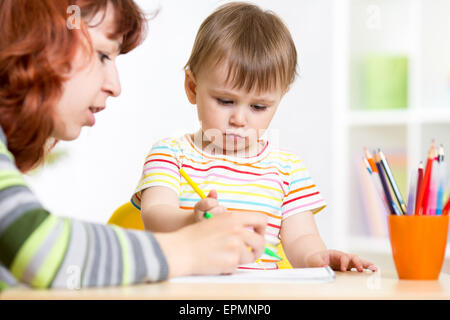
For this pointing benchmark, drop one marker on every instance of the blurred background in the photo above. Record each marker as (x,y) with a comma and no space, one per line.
(372,73)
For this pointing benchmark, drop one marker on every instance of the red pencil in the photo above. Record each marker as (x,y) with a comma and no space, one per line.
(422,202)
(426,196)
(446,208)
(419,182)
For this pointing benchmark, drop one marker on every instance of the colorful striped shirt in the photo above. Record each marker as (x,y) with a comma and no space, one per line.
(41,250)
(274,182)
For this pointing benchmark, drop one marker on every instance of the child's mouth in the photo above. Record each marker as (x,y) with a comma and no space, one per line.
(233,136)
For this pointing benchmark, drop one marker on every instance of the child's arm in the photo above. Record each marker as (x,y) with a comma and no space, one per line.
(161,213)
(304,247)
(300,238)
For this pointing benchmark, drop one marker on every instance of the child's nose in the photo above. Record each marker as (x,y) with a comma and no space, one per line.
(238,117)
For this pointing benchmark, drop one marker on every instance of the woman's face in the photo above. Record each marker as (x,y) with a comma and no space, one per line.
(90,82)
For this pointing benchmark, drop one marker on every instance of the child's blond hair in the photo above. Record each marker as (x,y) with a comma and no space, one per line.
(256,44)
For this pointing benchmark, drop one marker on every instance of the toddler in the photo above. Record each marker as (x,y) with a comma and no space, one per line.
(242,63)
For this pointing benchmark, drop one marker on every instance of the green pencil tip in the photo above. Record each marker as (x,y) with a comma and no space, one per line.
(208,215)
(271,253)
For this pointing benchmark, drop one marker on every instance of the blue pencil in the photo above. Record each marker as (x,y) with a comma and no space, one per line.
(391,204)
(367,165)
(442,175)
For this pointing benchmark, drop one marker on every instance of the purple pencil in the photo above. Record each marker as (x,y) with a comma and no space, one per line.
(387,192)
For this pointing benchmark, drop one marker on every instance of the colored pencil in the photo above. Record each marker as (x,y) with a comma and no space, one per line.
(442,176)
(385,186)
(440,198)
(199,191)
(377,184)
(192,184)
(369,169)
(419,183)
(208,215)
(391,179)
(425,182)
(441,153)
(432,196)
(410,206)
(446,207)
(370,160)
(427,179)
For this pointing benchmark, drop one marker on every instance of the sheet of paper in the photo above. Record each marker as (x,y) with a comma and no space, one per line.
(305,275)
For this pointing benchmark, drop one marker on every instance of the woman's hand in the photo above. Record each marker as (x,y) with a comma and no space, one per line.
(209,204)
(214,246)
(338,260)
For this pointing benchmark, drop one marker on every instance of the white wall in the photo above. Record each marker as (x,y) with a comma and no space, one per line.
(105,163)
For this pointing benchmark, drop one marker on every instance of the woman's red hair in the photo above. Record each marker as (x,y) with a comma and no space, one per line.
(36,51)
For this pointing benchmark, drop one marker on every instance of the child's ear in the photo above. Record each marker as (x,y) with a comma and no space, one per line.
(190,85)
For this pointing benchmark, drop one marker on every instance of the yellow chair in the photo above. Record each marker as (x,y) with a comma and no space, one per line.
(284,263)
(127,216)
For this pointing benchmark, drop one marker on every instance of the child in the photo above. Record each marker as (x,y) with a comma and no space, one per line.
(242,63)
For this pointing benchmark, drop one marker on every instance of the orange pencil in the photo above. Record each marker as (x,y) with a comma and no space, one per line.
(369,157)
(424,188)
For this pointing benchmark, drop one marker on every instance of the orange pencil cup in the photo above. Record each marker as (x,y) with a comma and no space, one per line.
(418,245)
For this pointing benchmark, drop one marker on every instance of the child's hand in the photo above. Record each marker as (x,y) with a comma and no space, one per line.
(339,261)
(209,204)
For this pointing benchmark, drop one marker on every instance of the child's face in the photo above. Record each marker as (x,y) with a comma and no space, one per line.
(231,119)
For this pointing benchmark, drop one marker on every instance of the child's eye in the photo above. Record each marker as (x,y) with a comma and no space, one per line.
(103,57)
(258,107)
(224,101)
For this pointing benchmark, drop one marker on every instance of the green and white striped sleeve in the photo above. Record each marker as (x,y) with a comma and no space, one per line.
(43,250)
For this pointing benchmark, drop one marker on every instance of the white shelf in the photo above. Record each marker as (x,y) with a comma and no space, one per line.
(379,118)
(399,117)
(384,26)
(433,115)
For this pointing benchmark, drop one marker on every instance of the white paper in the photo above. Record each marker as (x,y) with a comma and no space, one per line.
(298,275)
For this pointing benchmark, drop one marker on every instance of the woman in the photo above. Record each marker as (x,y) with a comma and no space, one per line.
(53,80)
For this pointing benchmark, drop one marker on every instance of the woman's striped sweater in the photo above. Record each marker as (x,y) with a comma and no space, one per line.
(42,250)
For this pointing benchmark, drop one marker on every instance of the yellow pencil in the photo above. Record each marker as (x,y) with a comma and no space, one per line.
(192,184)
(196,189)
(208,215)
